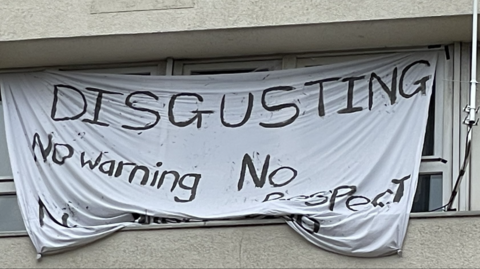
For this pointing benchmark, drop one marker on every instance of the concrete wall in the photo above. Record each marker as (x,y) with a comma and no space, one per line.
(33,19)
(430,243)
(70,32)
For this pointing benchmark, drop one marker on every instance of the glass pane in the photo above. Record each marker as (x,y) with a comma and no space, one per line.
(231,71)
(5,170)
(137,74)
(428,195)
(11,219)
(430,132)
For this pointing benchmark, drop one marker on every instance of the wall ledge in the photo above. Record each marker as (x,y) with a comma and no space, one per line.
(255,222)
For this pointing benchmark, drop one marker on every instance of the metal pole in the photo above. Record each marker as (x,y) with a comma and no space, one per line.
(471,108)
(473,81)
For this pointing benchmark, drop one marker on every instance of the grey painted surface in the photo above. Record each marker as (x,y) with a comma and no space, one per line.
(33,19)
(430,243)
(125,48)
(66,32)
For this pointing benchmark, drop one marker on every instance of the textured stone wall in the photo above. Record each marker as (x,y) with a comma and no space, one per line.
(430,243)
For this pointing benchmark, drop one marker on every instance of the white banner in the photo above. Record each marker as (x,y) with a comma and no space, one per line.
(334,149)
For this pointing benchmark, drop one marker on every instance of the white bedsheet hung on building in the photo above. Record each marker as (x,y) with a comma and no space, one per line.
(334,149)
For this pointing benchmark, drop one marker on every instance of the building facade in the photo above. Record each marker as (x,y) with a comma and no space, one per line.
(191,37)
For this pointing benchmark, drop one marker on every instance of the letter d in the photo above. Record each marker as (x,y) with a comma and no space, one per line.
(55,101)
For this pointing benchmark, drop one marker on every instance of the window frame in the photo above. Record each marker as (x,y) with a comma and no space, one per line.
(7,184)
(430,164)
(187,67)
(150,70)
(446,128)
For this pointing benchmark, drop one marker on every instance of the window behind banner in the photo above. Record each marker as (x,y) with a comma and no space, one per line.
(435,169)
(431,192)
(433,188)
(225,66)
(10,217)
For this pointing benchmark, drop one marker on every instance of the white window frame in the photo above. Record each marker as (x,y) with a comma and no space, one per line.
(447,124)
(187,67)
(151,69)
(7,187)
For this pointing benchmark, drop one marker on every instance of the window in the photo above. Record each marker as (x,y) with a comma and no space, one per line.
(434,186)
(433,189)
(426,197)
(11,220)
(146,70)
(225,67)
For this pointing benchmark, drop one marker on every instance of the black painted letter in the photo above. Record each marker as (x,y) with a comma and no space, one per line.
(247,162)
(351,87)
(422,82)
(98,106)
(56,88)
(272,175)
(350,200)
(401,188)
(269,196)
(198,113)
(392,92)
(321,103)
(45,151)
(192,188)
(62,158)
(245,118)
(129,103)
(278,108)
(335,195)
